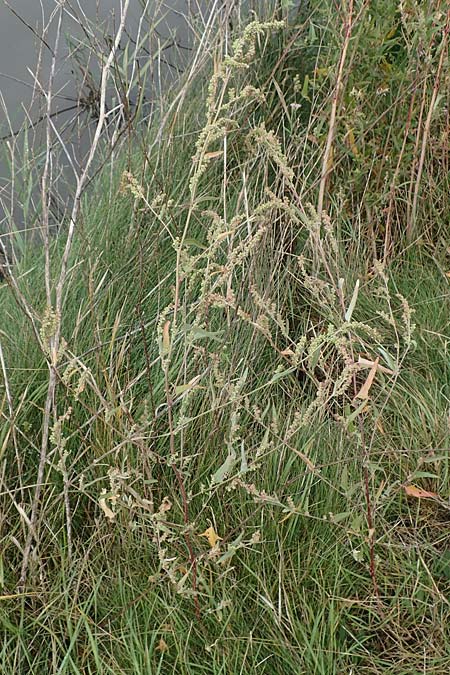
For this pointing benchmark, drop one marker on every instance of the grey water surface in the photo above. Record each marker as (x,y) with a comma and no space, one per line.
(28,30)
(23,21)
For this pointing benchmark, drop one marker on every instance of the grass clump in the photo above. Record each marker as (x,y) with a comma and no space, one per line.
(245,466)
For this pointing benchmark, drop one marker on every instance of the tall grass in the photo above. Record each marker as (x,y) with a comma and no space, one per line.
(246,467)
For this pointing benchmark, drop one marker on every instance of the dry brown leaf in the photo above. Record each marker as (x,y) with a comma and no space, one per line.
(211,536)
(287,352)
(104,506)
(369,363)
(162,646)
(364,391)
(213,155)
(414,491)
(165,506)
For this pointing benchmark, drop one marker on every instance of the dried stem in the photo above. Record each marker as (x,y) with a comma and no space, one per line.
(334,105)
(426,132)
(55,342)
(184,499)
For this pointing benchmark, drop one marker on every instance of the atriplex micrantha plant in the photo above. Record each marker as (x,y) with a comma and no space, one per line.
(232,288)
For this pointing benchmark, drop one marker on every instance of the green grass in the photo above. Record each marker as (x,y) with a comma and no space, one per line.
(328,566)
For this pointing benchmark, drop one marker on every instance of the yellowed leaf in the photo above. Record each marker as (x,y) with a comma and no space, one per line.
(224,235)
(183,388)
(414,491)
(13,596)
(211,535)
(352,142)
(364,391)
(166,338)
(379,426)
(321,72)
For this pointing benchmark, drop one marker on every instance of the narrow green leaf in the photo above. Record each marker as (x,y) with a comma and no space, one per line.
(423,474)
(181,388)
(279,376)
(356,412)
(351,307)
(435,458)
(198,333)
(224,470)
(305,88)
(191,241)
